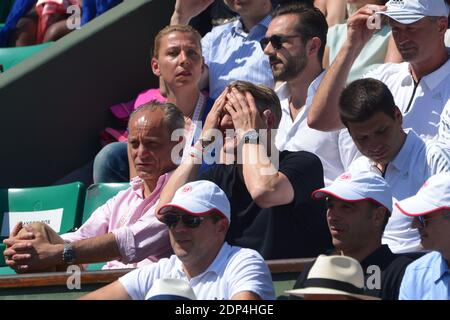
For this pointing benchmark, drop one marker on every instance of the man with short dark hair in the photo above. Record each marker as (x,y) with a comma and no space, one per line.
(198,218)
(359,205)
(271,208)
(428,278)
(368,110)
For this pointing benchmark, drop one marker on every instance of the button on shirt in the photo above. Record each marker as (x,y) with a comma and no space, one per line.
(427,278)
(232,54)
(414,164)
(428,97)
(334,151)
(141,238)
(233,270)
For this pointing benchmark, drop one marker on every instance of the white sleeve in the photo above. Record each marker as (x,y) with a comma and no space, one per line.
(247,271)
(139,281)
(347,149)
(438,157)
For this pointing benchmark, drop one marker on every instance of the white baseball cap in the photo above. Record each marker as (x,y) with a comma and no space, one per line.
(433,196)
(358,186)
(199,198)
(170,289)
(332,275)
(410,11)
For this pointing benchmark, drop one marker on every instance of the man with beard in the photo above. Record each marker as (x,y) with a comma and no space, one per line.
(295,42)
(419,85)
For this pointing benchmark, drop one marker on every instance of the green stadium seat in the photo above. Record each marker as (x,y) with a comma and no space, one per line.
(68,197)
(96,196)
(9,57)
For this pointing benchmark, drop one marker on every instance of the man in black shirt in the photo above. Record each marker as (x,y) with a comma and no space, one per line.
(269,192)
(359,206)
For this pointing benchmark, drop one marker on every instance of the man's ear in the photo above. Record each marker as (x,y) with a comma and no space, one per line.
(313,46)
(222,226)
(155,67)
(398,115)
(379,215)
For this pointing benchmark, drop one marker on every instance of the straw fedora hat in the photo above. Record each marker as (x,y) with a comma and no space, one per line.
(334,275)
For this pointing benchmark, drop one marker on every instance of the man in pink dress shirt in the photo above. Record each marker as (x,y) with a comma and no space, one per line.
(124,231)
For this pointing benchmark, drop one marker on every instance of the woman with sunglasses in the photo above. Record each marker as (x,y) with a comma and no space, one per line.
(428,278)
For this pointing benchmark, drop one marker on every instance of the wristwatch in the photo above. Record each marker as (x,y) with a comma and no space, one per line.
(68,254)
(250,136)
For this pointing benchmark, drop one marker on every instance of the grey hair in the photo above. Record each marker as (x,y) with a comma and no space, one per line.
(173,117)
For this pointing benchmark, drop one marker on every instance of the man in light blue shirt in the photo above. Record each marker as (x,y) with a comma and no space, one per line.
(428,278)
(232,50)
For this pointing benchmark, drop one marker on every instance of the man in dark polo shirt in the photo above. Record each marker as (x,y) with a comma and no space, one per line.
(271,208)
(359,206)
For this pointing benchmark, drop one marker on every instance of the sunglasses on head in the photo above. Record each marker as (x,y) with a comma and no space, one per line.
(276,41)
(172,219)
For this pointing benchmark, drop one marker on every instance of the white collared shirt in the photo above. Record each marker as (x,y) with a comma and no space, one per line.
(233,54)
(428,101)
(414,164)
(335,149)
(233,270)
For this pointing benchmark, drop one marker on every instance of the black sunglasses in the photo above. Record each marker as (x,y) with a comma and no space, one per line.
(172,219)
(276,40)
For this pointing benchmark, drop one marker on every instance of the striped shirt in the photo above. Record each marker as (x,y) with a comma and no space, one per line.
(232,54)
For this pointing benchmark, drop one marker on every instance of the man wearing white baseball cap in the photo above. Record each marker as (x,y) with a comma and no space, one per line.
(359,206)
(420,85)
(428,278)
(198,217)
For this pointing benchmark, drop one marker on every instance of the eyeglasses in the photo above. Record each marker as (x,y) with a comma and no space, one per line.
(276,40)
(172,219)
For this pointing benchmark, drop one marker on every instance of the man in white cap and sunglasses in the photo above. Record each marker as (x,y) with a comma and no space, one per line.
(428,278)
(420,85)
(359,206)
(198,218)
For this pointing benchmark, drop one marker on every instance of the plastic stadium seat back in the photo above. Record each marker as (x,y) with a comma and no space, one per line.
(9,57)
(68,198)
(98,194)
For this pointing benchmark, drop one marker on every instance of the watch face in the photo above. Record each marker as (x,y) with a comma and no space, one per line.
(68,254)
(251,136)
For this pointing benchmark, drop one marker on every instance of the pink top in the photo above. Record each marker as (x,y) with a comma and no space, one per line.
(142,239)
